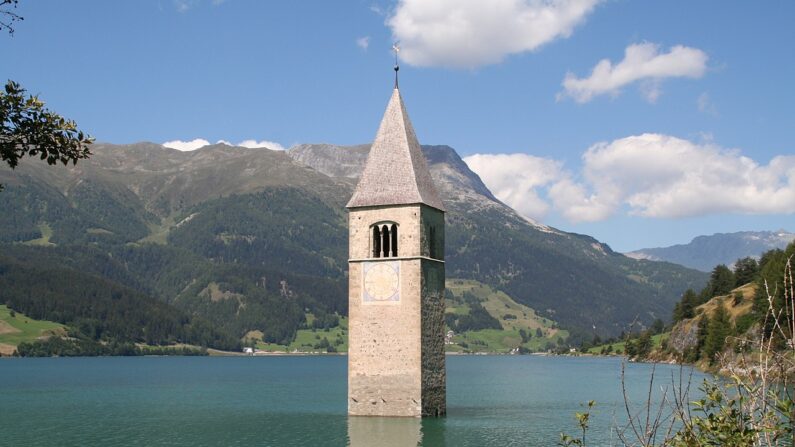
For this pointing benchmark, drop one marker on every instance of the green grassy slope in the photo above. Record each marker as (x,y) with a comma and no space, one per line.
(512,316)
(310,340)
(618,347)
(20,328)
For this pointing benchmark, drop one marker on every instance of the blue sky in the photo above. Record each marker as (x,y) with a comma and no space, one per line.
(684,127)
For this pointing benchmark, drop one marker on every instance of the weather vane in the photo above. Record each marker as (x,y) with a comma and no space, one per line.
(396,49)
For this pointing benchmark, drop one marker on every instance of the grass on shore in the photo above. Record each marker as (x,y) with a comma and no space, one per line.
(618,348)
(512,315)
(20,328)
(307,339)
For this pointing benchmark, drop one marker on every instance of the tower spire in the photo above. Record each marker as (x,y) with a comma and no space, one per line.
(396,172)
(396,50)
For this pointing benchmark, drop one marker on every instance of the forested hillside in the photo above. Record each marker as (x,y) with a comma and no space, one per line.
(570,278)
(728,316)
(100,309)
(255,240)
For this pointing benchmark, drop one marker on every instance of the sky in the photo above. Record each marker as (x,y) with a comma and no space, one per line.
(640,123)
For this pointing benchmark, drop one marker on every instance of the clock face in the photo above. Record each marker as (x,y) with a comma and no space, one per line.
(381,281)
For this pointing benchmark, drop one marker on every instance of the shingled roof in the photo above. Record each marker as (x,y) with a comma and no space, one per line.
(396,172)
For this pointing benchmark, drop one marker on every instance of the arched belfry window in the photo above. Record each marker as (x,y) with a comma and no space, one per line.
(385,240)
(394,240)
(376,241)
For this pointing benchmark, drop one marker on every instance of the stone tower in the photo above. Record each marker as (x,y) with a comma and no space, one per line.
(396,279)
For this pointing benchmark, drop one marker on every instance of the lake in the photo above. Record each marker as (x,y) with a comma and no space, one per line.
(301,401)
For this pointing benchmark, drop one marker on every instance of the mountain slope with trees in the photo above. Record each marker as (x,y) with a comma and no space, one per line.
(570,278)
(737,308)
(98,309)
(253,239)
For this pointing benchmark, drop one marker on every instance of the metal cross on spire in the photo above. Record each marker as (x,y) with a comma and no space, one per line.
(396,50)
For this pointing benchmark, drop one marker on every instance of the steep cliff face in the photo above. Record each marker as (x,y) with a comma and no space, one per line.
(684,336)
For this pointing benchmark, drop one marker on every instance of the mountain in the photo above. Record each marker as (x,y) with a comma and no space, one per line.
(705,252)
(254,239)
(44,287)
(570,278)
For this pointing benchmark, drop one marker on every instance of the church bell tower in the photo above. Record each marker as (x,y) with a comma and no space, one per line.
(396,364)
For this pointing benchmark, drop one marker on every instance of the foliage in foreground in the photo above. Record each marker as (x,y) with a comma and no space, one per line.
(27,128)
(717,419)
(756,407)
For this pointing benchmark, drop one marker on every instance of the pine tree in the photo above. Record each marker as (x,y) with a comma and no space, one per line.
(745,271)
(631,348)
(644,344)
(718,329)
(771,274)
(701,336)
(685,307)
(721,281)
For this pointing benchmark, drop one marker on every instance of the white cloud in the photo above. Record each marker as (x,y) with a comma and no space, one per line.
(649,175)
(534,185)
(662,176)
(577,204)
(186,145)
(254,144)
(473,33)
(515,178)
(642,62)
(363,42)
(201,142)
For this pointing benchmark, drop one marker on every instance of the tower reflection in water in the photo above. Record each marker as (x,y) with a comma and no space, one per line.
(368,431)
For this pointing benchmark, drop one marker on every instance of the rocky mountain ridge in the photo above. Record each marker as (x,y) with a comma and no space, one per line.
(705,252)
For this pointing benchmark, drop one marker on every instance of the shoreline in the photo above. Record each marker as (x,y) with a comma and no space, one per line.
(219,353)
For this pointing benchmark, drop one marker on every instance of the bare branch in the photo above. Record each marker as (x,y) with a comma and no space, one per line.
(8,16)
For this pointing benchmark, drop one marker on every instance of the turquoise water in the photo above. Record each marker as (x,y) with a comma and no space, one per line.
(301,401)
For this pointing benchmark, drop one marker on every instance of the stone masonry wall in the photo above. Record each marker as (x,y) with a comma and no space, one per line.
(396,349)
(432,218)
(434,375)
(384,348)
(384,353)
